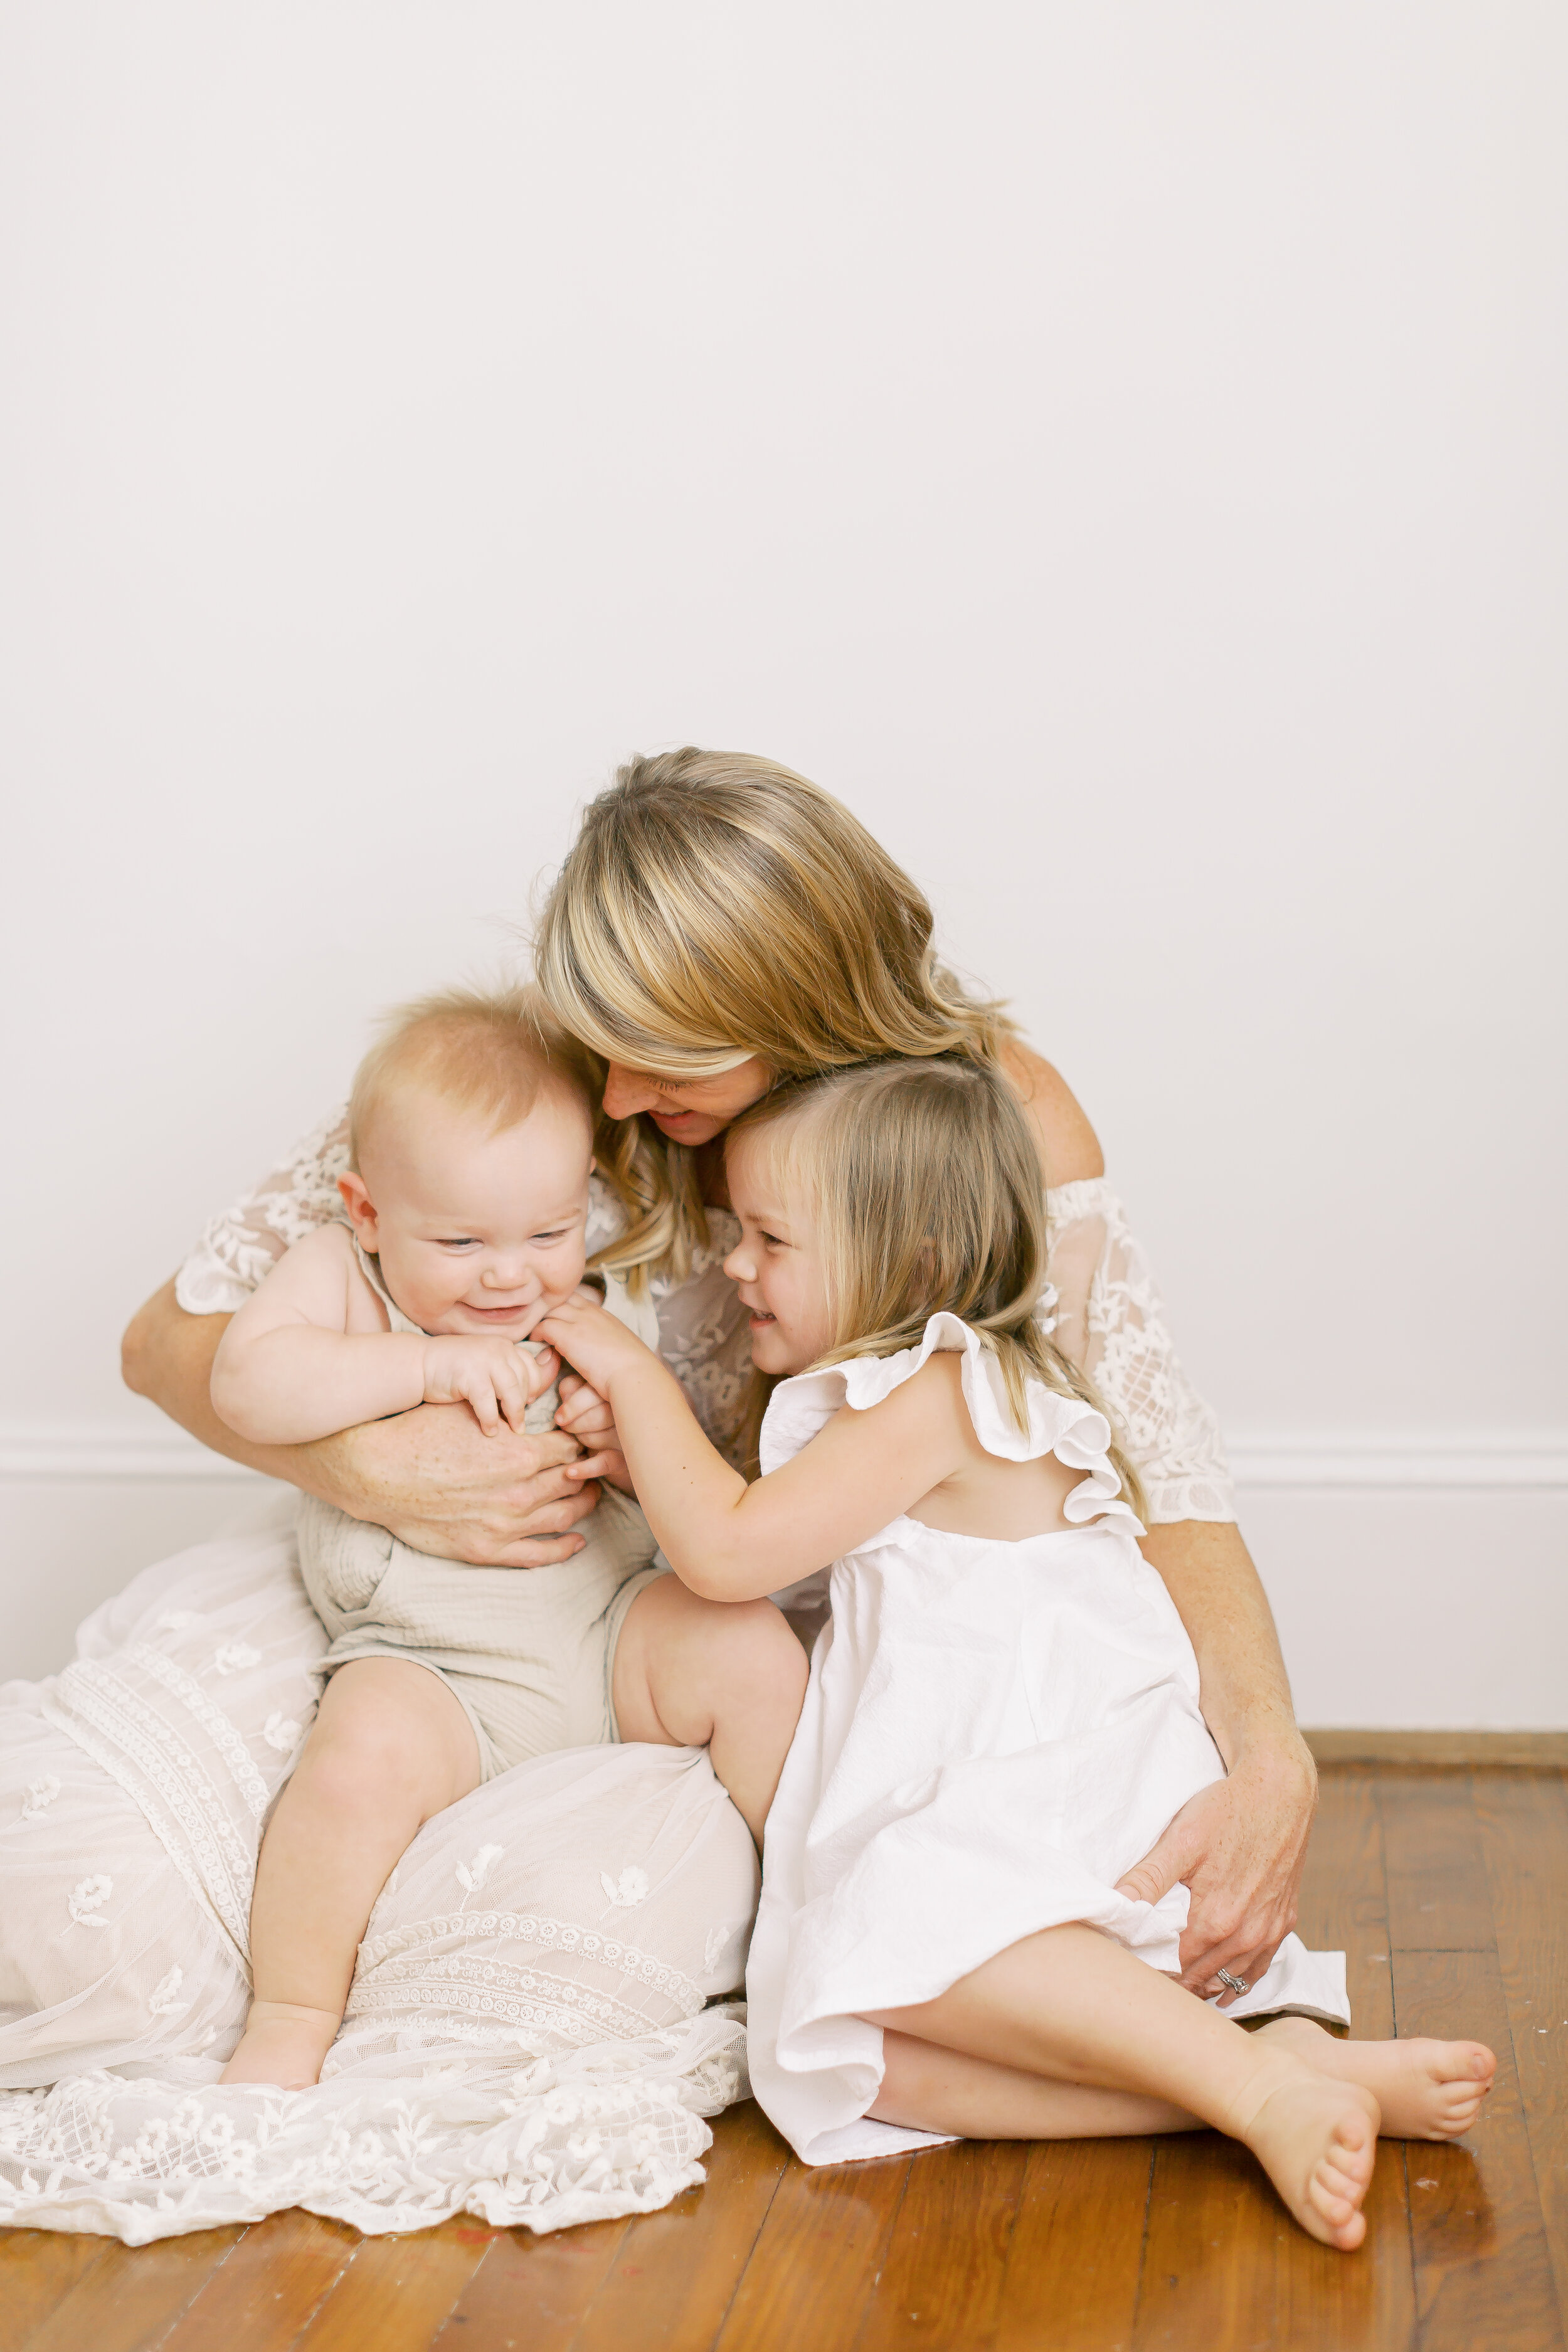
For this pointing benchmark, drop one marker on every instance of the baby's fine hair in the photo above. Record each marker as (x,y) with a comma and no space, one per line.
(923,1184)
(494,1055)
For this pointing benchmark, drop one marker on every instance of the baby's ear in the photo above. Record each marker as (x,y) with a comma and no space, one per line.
(361,1214)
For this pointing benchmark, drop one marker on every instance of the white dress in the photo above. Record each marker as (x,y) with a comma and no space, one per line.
(992,1733)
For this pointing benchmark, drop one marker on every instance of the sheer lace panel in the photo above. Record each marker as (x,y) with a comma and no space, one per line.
(1110,1316)
(1110,1320)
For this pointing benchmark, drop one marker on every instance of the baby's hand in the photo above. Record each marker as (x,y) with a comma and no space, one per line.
(493,1375)
(585,1415)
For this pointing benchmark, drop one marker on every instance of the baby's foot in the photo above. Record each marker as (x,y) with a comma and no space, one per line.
(1425,2090)
(1317,2139)
(282,2044)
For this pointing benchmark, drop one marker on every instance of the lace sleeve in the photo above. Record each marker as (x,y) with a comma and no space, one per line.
(1110,1320)
(238,1249)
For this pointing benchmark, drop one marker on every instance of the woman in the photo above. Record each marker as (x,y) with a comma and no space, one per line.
(720,922)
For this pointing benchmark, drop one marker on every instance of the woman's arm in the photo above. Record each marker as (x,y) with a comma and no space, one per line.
(430,1475)
(730,1542)
(1240,1844)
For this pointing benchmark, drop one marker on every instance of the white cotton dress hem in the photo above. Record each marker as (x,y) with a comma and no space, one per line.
(992,1733)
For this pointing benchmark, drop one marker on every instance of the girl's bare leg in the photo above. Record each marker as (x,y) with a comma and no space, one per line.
(1426,2090)
(729,1676)
(926,2088)
(1072,2005)
(390,1747)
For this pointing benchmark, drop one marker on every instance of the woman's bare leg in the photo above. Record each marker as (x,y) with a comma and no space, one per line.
(390,1747)
(1072,2005)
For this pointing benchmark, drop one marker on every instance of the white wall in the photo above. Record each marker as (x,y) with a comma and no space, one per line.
(1117,449)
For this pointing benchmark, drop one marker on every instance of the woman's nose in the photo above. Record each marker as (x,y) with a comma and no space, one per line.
(626,1092)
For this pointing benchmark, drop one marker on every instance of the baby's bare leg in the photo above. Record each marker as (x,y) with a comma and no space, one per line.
(390,1747)
(727,1676)
(1072,2005)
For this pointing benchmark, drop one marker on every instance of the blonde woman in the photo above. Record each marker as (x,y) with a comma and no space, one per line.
(720,924)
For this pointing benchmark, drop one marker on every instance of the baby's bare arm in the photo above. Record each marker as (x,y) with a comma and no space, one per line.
(289,1368)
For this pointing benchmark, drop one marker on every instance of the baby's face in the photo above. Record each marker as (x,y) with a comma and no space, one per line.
(777,1264)
(474,1231)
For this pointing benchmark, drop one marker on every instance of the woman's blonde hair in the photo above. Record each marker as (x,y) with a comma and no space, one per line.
(716,906)
(923,1181)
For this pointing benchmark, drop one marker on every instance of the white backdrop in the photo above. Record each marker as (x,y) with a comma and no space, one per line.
(1119,450)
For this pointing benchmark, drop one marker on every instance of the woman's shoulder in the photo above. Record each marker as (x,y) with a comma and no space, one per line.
(1068,1145)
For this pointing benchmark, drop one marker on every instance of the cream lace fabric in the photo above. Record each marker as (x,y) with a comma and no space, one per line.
(534,2032)
(1109,1313)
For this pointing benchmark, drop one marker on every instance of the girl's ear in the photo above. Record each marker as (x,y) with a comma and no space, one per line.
(361,1214)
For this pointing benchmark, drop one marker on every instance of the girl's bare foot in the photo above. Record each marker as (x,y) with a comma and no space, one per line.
(282,2044)
(1425,2090)
(1317,2140)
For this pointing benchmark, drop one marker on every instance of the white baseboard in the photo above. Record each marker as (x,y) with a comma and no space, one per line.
(1322,1460)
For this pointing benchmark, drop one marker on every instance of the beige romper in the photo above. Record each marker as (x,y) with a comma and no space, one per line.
(528,1653)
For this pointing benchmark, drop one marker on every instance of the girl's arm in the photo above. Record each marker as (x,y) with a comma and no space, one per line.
(289,1369)
(729,1541)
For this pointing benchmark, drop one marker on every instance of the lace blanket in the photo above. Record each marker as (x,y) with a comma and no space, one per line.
(536,2028)
(1109,1316)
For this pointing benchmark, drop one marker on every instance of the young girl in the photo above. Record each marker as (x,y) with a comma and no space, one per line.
(1001,1713)
(468,1195)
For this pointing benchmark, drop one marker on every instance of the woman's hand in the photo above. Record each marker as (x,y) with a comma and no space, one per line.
(1239,1846)
(585,1415)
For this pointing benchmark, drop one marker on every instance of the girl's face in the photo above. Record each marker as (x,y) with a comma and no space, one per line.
(776,1266)
(688,1110)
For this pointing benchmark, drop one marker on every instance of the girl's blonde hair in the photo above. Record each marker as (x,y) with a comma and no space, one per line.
(716,906)
(923,1186)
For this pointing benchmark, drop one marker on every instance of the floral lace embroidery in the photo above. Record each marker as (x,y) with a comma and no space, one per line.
(213,1720)
(156,1767)
(545,1935)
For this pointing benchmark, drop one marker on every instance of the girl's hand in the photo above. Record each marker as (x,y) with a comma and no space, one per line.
(585,1415)
(492,1375)
(592,1340)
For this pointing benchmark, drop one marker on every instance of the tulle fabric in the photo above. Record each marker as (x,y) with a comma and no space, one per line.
(536,2029)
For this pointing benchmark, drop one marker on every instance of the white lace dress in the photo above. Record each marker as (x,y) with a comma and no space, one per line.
(992,1733)
(531,2034)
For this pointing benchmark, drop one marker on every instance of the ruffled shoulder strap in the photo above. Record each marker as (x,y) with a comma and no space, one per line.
(1063,1425)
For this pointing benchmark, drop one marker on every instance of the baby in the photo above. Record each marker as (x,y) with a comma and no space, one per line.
(471,1145)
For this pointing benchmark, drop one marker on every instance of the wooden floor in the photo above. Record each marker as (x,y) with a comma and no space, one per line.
(1448,1890)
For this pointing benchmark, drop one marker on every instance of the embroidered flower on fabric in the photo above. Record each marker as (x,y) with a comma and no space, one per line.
(472,1875)
(280,1731)
(174,1621)
(717,1939)
(629,1888)
(89,1897)
(234,1656)
(164,2002)
(42,1791)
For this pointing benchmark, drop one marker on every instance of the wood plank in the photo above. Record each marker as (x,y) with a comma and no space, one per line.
(1438,1898)
(530,2290)
(37,2267)
(135,2294)
(1533,1750)
(1344,1895)
(1077,2248)
(948,2258)
(1483,2267)
(1226,2265)
(270,2287)
(817,2258)
(675,2274)
(395,2293)
(1524,1835)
